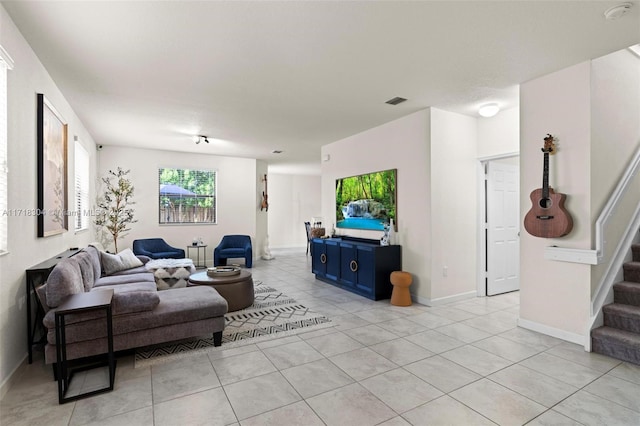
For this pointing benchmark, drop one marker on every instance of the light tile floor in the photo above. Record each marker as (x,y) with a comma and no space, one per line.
(466,363)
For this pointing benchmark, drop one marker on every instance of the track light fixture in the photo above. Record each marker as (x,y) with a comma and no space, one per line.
(200,138)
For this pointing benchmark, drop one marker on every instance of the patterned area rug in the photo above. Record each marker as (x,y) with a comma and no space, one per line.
(272,315)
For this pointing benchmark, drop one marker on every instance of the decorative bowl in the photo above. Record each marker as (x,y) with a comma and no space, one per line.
(223,271)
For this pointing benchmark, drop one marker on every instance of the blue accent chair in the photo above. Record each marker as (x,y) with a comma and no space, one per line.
(157,248)
(233,246)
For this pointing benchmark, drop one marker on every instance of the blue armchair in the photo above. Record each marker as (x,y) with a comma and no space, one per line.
(233,246)
(157,248)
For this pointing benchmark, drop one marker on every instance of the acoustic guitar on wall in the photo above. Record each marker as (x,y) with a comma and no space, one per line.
(547,218)
(265,203)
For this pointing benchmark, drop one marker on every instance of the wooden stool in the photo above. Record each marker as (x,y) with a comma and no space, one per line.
(400,295)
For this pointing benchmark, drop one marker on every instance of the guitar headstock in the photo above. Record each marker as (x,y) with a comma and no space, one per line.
(549,144)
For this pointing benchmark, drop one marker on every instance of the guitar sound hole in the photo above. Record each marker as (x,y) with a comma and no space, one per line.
(545,203)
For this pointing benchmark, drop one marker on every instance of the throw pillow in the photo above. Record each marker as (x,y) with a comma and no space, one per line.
(86,269)
(65,279)
(41,292)
(129,259)
(128,302)
(112,263)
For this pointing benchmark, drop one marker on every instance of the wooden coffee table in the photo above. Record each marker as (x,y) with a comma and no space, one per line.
(237,290)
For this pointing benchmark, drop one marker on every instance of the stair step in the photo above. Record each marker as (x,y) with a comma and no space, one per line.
(616,343)
(632,271)
(624,317)
(627,293)
(635,250)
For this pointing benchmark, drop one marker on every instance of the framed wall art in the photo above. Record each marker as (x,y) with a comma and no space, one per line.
(366,201)
(52,170)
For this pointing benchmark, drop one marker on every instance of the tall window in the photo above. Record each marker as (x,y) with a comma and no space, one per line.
(82,186)
(187,196)
(6,63)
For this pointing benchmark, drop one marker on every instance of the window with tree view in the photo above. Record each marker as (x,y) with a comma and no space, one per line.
(187,196)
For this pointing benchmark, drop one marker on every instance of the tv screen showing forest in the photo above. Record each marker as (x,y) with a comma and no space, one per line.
(366,201)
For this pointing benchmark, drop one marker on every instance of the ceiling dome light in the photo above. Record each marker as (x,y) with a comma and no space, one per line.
(489,110)
(616,12)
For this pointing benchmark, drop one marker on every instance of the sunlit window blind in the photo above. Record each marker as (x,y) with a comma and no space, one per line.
(82,187)
(187,196)
(6,63)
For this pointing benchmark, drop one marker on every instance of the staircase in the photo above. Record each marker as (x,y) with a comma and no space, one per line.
(620,335)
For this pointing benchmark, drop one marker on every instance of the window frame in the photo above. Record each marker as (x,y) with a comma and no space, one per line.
(81,186)
(6,64)
(189,199)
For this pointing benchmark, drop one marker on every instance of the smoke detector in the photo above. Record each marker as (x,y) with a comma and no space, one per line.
(616,12)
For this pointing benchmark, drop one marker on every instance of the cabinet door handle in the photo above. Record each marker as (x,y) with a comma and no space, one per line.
(353,266)
(323,258)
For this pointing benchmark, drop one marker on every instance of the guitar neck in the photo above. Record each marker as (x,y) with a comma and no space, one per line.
(545,176)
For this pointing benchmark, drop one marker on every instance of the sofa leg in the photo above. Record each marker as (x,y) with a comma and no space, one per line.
(217,338)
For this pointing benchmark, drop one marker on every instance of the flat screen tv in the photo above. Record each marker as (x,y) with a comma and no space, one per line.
(366,201)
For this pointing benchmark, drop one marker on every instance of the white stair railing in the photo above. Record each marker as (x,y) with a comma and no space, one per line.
(618,196)
(624,193)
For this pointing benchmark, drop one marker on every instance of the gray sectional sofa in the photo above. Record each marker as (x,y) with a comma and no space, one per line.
(141,314)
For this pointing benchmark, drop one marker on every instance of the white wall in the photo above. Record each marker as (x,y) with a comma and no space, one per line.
(615,136)
(434,152)
(593,109)
(402,144)
(615,119)
(554,296)
(499,134)
(453,204)
(294,199)
(27,79)
(237,203)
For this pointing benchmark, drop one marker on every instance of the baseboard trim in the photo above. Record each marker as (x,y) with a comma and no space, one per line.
(444,300)
(12,378)
(551,331)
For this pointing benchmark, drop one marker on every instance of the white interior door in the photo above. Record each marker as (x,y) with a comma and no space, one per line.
(503,227)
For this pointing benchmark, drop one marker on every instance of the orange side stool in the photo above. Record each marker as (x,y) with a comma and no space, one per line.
(400,295)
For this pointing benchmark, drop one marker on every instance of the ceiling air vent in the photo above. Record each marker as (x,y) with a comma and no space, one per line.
(395,101)
(276,151)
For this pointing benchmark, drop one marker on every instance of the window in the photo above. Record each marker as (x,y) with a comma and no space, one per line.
(6,63)
(187,196)
(82,186)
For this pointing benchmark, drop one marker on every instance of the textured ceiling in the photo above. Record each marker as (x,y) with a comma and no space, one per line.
(292,76)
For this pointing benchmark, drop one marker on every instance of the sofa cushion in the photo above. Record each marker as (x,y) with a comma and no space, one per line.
(94,255)
(126,302)
(124,279)
(137,270)
(129,287)
(41,292)
(177,306)
(86,269)
(120,293)
(65,279)
(144,259)
(112,263)
(165,255)
(233,252)
(123,305)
